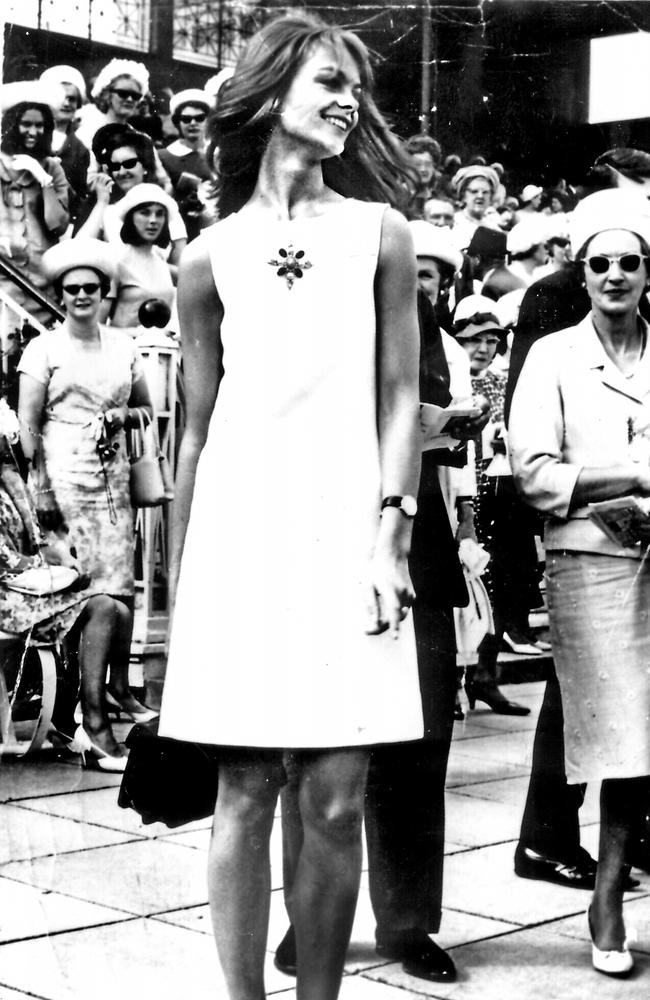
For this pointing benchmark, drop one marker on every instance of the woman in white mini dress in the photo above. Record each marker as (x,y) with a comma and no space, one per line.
(300,346)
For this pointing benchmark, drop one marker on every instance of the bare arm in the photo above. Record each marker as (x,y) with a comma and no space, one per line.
(398,354)
(31,402)
(200,313)
(93,227)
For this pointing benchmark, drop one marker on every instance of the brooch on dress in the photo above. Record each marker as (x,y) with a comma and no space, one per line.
(291,265)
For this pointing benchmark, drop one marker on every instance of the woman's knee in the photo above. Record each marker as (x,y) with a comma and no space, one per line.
(101,609)
(249,788)
(332,805)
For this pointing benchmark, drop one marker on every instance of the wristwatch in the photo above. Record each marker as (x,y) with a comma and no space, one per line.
(407,505)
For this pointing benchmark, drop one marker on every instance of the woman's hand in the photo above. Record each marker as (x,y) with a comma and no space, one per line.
(22,161)
(391,593)
(115,419)
(102,185)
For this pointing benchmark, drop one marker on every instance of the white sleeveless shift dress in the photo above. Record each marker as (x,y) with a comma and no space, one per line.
(268,647)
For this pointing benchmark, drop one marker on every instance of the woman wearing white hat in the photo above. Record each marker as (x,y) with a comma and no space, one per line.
(578,434)
(80,387)
(117,92)
(34,202)
(66,145)
(185,160)
(142,271)
(475,186)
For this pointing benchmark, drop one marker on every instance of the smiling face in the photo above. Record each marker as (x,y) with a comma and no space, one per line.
(79,302)
(321,106)
(477,197)
(616,292)
(123,98)
(126,168)
(31,129)
(148,221)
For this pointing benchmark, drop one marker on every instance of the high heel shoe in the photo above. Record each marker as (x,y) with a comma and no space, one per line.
(611,963)
(94,756)
(117,707)
(489,693)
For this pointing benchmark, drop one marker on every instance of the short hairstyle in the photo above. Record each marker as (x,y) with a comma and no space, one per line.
(129,234)
(104,282)
(424,144)
(373,165)
(11,141)
(632,163)
(176,117)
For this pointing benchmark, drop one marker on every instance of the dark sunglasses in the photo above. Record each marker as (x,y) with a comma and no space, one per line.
(124,165)
(198,118)
(628,262)
(126,95)
(89,288)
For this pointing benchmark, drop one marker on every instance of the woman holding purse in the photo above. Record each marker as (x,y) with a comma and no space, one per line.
(80,389)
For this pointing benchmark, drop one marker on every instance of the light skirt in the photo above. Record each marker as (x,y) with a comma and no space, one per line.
(599,608)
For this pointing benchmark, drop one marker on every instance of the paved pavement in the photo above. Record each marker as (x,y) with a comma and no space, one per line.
(94,905)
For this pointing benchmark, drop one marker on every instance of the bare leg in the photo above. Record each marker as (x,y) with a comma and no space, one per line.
(292,840)
(331,797)
(97,629)
(239,867)
(619,804)
(121,647)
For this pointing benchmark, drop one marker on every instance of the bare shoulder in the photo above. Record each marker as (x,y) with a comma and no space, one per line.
(396,239)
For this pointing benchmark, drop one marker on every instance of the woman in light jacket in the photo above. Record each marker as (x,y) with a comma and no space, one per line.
(579,433)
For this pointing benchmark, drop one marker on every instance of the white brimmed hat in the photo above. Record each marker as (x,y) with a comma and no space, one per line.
(434,241)
(30,92)
(530,191)
(121,67)
(476,305)
(80,251)
(612,209)
(192,96)
(145,194)
(216,82)
(527,234)
(64,74)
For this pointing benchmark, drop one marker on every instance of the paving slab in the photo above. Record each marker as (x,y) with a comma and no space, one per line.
(524,965)
(474,824)
(99,807)
(136,960)
(24,779)
(29,912)
(140,877)
(26,834)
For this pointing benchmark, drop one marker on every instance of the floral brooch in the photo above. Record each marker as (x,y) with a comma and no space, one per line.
(291,264)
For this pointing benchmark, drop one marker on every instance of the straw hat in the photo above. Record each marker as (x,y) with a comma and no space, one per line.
(121,67)
(80,251)
(435,241)
(145,194)
(612,209)
(64,74)
(192,96)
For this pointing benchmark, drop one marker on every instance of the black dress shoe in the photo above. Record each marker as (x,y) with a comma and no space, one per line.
(580,875)
(285,953)
(419,955)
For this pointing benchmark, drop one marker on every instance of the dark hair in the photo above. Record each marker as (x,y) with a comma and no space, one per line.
(452,163)
(424,144)
(476,320)
(116,137)
(176,117)
(104,281)
(12,143)
(446,271)
(632,163)
(373,165)
(130,235)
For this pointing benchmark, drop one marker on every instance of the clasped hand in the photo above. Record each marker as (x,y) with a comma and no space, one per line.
(391,594)
(22,161)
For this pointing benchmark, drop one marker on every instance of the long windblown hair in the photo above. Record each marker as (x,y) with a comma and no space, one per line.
(373,165)
(12,141)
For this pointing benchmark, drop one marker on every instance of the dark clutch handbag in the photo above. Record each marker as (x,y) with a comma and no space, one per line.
(168,781)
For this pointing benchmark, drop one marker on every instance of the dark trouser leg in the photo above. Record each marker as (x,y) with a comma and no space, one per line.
(405,819)
(550,824)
